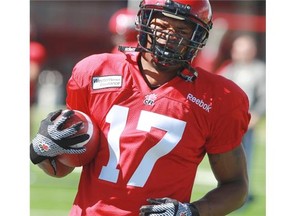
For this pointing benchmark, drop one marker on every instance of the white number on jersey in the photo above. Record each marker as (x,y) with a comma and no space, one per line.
(117,117)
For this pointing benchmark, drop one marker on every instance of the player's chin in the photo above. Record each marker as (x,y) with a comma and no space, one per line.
(168,67)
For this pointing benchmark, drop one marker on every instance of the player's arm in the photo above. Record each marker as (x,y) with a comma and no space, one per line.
(231,173)
(230,194)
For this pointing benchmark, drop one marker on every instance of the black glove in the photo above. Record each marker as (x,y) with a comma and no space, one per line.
(168,207)
(51,141)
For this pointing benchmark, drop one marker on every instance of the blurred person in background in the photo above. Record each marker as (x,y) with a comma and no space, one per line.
(38,55)
(248,72)
(122,27)
(158,117)
(37,58)
(50,90)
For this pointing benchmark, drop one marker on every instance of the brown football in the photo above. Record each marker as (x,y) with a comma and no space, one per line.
(91,145)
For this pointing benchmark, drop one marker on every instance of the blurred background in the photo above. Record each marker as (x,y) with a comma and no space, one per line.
(64,32)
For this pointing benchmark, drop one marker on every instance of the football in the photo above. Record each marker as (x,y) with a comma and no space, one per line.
(91,145)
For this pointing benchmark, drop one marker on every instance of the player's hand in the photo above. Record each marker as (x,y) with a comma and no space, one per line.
(166,207)
(51,141)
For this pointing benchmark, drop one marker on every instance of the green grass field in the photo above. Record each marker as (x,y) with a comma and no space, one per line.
(54,196)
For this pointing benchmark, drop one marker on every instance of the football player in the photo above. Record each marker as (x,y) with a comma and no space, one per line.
(158,118)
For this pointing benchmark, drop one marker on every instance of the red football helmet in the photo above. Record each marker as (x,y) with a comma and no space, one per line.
(197,13)
(37,52)
(122,23)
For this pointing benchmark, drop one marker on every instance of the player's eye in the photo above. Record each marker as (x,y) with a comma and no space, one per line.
(185,32)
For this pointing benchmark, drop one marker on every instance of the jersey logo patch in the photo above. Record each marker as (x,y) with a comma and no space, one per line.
(101,82)
(150,99)
(200,103)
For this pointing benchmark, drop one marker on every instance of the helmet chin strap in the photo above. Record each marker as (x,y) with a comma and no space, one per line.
(161,61)
(188,78)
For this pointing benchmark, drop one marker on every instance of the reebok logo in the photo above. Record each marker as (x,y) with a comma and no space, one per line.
(199,102)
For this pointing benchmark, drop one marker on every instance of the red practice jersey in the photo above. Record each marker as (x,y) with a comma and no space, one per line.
(151,141)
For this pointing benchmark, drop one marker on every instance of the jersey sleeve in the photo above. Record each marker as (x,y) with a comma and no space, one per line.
(76,96)
(80,85)
(229,127)
(77,89)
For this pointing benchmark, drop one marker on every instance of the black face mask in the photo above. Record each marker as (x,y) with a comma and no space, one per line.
(173,51)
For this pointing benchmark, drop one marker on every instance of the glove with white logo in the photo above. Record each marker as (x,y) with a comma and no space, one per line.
(168,207)
(51,141)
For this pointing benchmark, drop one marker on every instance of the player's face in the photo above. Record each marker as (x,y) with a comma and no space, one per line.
(170,32)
